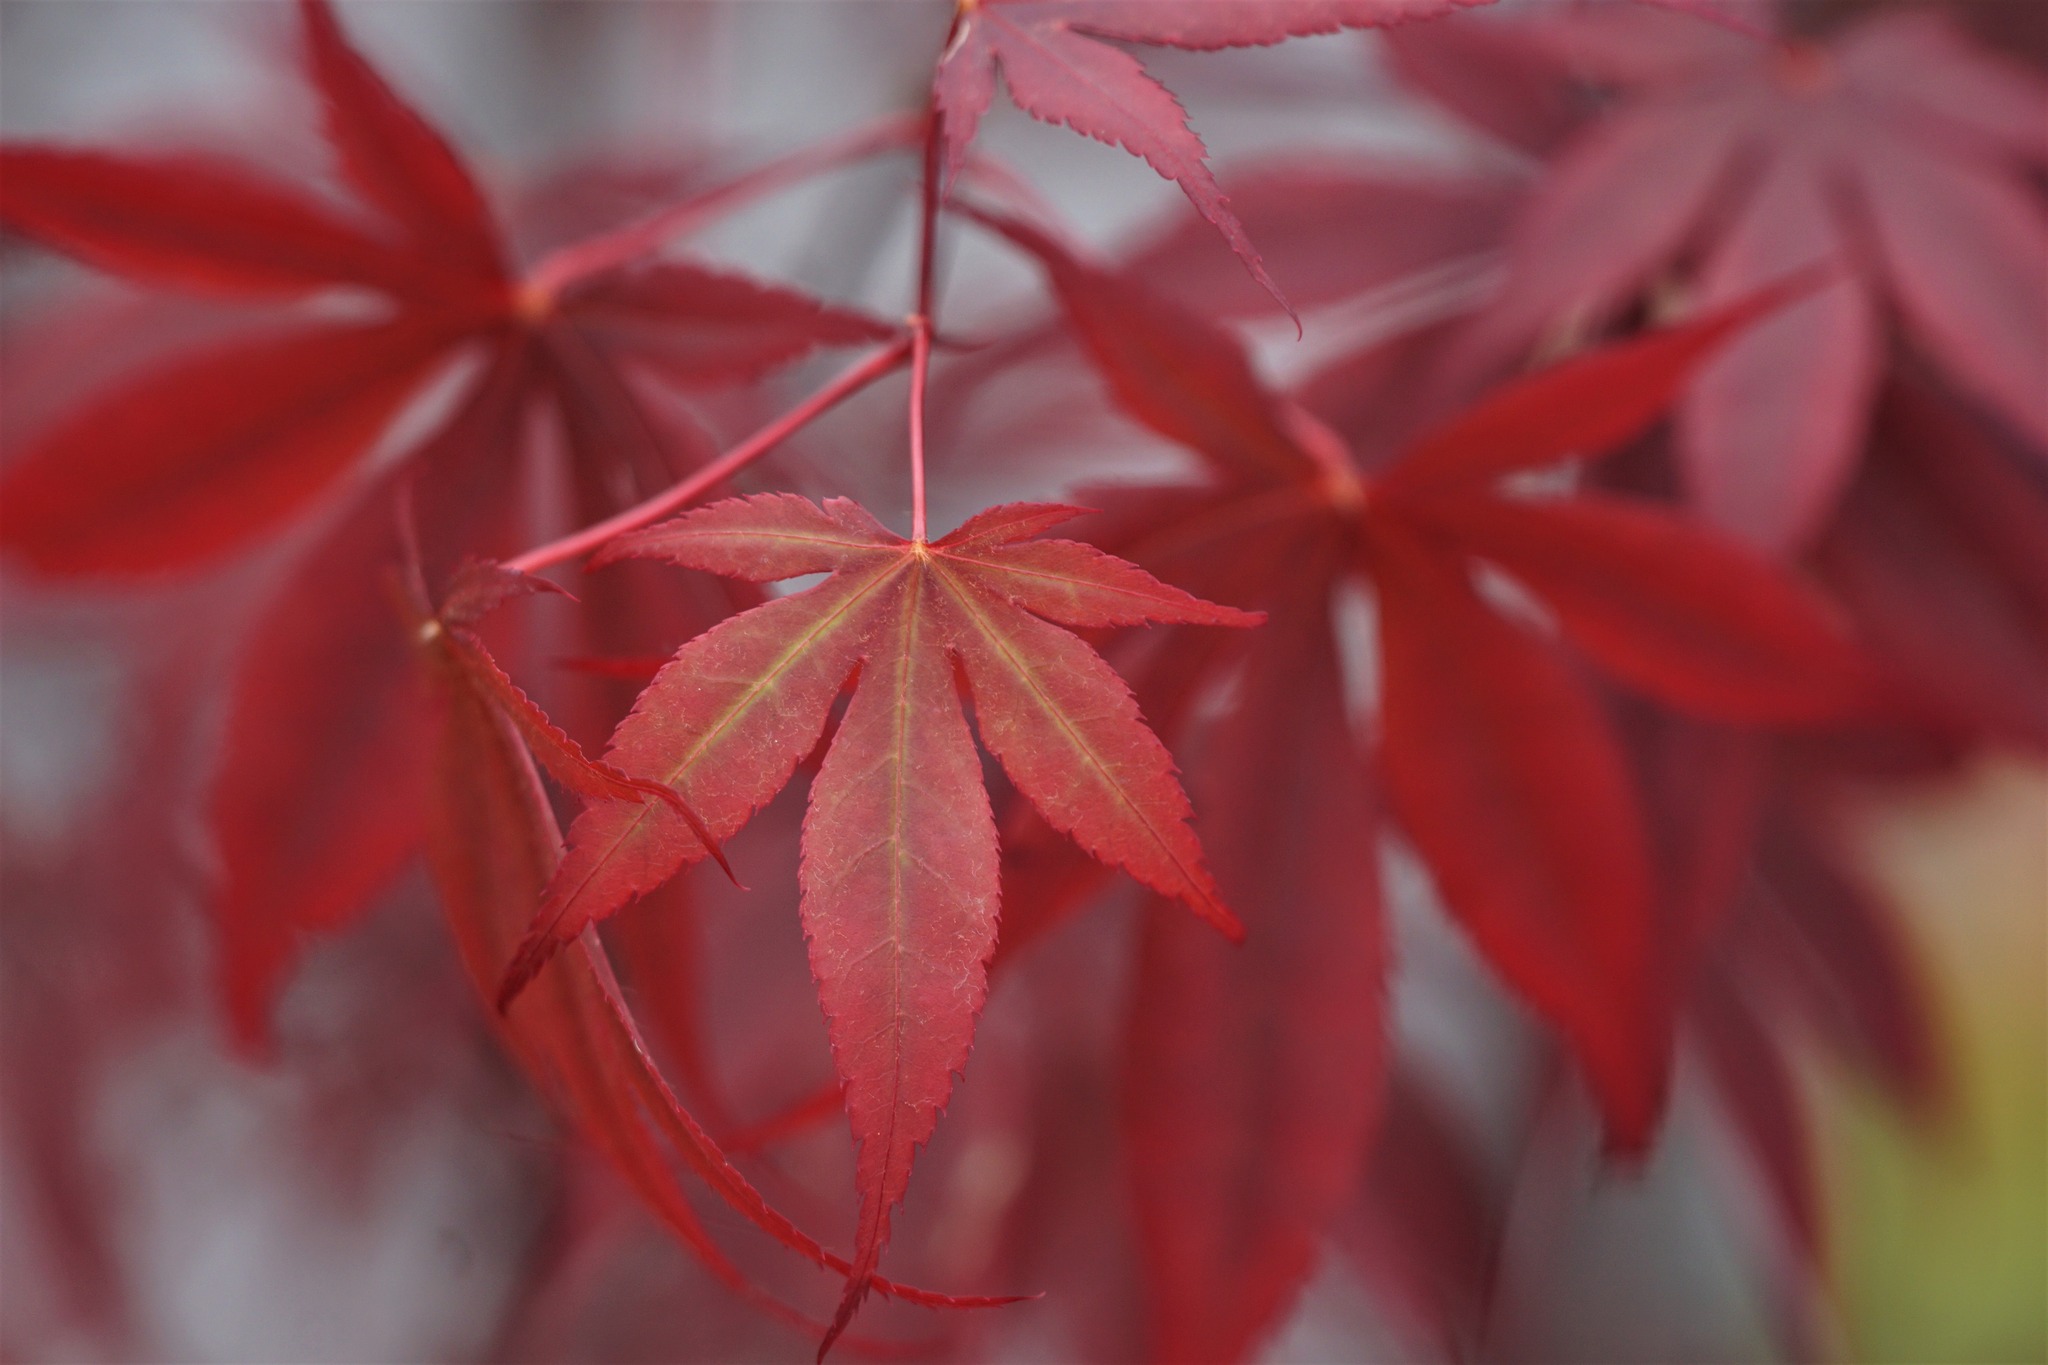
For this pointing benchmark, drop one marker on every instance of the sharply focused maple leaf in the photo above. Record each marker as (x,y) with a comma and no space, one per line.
(210,451)
(1895,146)
(899,848)
(492,844)
(1060,70)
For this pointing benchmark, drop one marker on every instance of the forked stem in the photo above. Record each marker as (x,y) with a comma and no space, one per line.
(680,495)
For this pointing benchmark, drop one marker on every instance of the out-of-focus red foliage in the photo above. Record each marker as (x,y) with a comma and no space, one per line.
(1668,470)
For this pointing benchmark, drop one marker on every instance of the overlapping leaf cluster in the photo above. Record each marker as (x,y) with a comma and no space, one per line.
(1603,674)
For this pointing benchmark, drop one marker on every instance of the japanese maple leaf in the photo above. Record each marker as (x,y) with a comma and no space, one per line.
(1483,722)
(1249,1087)
(1938,552)
(899,871)
(1770,925)
(492,845)
(1496,757)
(208,451)
(1060,70)
(198,457)
(1895,145)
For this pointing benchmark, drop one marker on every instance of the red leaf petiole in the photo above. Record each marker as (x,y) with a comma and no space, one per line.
(921,321)
(680,495)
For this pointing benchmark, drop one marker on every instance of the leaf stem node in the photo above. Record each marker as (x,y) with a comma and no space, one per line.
(533,302)
(1805,70)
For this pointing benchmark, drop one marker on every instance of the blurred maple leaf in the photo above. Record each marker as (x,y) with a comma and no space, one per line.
(204,454)
(1561,898)
(1896,147)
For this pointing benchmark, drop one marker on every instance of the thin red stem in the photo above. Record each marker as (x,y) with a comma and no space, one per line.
(851,381)
(921,321)
(638,239)
(920,368)
(928,217)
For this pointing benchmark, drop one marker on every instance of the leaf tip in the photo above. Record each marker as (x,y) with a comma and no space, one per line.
(856,1290)
(1227,923)
(533,954)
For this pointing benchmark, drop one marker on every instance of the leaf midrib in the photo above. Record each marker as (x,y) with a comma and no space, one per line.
(963,595)
(727,721)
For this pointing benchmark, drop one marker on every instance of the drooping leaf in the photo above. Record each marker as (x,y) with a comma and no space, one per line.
(1962,252)
(1676,611)
(318,800)
(1426,1226)
(662,945)
(1511,783)
(697,327)
(1177,373)
(899,870)
(1253,1074)
(1725,158)
(185,222)
(1585,406)
(475,592)
(1751,1070)
(401,163)
(1771,428)
(493,843)
(1060,71)
(197,457)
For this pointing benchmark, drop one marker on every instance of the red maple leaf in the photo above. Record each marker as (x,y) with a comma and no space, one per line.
(209,451)
(492,845)
(1497,758)
(900,855)
(1249,1087)
(1560,695)
(1895,146)
(1060,70)
(1939,555)
(203,455)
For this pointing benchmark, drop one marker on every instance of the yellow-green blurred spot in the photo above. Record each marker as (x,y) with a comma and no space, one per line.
(1941,1239)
